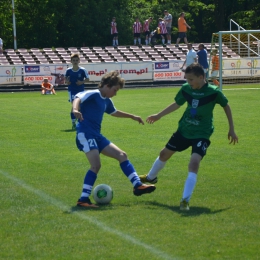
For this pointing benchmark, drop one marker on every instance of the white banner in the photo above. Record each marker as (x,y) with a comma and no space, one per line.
(168,70)
(128,71)
(34,74)
(11,74)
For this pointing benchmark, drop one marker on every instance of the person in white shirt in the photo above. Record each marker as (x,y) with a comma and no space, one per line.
(191,56)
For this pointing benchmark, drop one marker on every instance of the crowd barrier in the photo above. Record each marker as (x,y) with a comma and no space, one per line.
(130,71)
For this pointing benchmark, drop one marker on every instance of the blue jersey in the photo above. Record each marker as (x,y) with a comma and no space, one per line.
(80,75)
(202,58)
(92,107)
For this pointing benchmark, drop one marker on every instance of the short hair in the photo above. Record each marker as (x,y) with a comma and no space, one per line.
(165,11)
(74,55)
(111,79)
(182,13)
(201,44)
(196,69)
(160,19)
(151,18)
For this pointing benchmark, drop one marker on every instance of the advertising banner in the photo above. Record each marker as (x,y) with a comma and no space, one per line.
(34,74)
(128,71)
(245,67)
(11,75)
(168,70)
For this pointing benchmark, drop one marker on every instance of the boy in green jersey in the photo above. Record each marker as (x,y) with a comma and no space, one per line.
(195,127)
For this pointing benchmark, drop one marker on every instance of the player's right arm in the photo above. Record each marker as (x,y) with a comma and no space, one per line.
(76,109)
(171,108)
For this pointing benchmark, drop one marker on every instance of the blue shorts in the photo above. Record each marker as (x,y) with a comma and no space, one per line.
(86,143)
(72,95)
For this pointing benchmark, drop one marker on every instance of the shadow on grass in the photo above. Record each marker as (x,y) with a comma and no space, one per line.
(194,211)
(68,130)
(79,209)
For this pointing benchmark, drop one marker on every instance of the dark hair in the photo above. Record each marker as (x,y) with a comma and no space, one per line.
(165,11)
(111,79)
(196,69)
(113,18)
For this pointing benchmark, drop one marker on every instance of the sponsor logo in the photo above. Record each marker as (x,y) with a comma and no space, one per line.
(32,69)
(199,144)
(161,65)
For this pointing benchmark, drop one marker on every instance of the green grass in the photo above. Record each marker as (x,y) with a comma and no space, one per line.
(42,171)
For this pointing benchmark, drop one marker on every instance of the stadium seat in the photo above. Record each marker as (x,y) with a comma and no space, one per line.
(31,62)
(134,60)
(121,48)
(121,60)
(108,48)
(72,49)
(22,50)
(17,63)
(146,47)
(146,59)
(60,49)
(134,47)
(47,49)
(97,48)
(84,48)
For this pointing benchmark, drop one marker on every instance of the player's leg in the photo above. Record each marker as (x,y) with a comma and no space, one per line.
(185,40)
(72,116)
(176,143)
(116,41)
(199,148)
(178,40)
(43,91)
(126,166)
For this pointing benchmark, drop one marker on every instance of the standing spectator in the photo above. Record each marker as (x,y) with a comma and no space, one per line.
(47,87)
(163,30)
(182,28)
(75,77)
(215,67)
(114,32)
(137,29)
(168,21)
(203,58)
(191,56)
(1,46)
(146,30)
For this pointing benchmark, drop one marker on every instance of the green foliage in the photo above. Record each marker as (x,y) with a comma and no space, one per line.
(67,23)
(42,171)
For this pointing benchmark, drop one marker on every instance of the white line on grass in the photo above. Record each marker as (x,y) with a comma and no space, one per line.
(99,224)
(240,88)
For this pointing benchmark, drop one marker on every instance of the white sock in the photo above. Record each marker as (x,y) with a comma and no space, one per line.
(139,40)
(116,42)
(189,185)
(113,42)
(163,41)
(134,41)
(157,166)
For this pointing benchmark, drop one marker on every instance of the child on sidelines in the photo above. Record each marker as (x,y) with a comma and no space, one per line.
(47,87)
(88,108)
(75,77)
(195,127)
(215,67)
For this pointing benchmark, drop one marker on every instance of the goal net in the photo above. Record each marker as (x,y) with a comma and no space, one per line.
(235,57)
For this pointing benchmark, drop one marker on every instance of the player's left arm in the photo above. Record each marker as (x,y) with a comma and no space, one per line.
(76,109)
(123,114)
(231,133)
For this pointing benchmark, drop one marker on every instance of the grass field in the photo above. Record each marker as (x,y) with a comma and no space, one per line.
(42,171)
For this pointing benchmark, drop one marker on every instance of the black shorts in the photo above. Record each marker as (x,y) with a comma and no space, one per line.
(182,35)
(179,143)
(147,33)
(114,35)
(137,35)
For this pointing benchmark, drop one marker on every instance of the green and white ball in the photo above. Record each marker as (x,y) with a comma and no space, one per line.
(103,194)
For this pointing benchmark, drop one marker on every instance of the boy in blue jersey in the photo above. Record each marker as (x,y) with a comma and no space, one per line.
(89,108)
(195,127)
(75,77)
(203,58)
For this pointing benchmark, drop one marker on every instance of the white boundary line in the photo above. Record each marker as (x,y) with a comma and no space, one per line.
(91,220)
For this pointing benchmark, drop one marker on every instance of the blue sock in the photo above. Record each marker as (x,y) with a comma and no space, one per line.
(130,173)
(73,118)
(89,181)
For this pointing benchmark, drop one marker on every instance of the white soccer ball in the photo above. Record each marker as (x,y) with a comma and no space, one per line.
(103,194)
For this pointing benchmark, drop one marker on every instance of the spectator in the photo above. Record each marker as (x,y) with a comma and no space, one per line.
(47,87)
(1,46)
(147,32)
(191,56)
(163,30)
(203,59)
(168,21)
(114,32)
(137,29)
(182,28)
(215,67)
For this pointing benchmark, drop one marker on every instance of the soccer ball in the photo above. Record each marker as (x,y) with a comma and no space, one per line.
(102,194)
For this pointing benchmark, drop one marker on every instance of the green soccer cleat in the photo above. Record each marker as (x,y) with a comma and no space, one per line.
(144,179)
(142,189)
(73,126)
(184,205)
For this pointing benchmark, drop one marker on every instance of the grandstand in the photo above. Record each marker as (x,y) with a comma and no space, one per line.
(100,54)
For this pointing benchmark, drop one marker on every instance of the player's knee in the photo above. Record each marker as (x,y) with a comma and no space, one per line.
(194,166)
(122,156)
(95,168)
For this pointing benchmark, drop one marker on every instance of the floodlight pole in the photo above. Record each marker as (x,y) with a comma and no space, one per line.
(14,26)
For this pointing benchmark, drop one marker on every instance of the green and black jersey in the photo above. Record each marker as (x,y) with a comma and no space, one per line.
(197,120)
